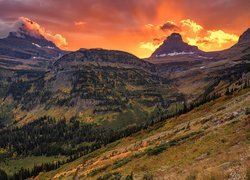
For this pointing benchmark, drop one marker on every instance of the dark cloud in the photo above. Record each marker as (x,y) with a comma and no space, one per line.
(124,14)
(169,26)
(101,11)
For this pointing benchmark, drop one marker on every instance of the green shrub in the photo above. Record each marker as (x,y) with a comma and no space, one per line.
(99,170)
(248,174)
(3,175)
(247,111)
(191,177)
(148,177)
(129,177)
(221,108)
(160,148)
(109,176)
(121,162)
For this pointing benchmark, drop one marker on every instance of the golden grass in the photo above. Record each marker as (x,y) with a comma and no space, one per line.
(222,151)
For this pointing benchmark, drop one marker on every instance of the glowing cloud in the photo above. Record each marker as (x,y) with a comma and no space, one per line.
(192,32)
(191,24)
(213,40)
(221,37)
(149,26)
(27,26)
(148,45)
(36,29)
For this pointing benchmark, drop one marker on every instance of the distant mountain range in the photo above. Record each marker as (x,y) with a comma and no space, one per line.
(90,82)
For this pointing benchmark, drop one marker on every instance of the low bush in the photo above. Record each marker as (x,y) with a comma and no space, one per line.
(147,177)
(121,162)
(114,175)
(247,111)
(160,148)
(99,170)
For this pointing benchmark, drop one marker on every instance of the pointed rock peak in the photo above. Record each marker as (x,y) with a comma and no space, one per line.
(175,46)
(245,36)
(174,37)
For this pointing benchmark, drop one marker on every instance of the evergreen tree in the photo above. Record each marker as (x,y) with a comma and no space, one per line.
(3,175)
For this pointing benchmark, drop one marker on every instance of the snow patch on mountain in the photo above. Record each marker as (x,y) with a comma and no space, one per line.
(50,47)
(203,57)
(37,45)
(175,54)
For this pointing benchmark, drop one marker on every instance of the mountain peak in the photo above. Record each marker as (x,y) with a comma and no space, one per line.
(27,40)
(174,45)
(26,27)
(174,37)
(31,32)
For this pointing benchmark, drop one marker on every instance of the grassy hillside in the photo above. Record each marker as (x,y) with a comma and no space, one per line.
(210,142)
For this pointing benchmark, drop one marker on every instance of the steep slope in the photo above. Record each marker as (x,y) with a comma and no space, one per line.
(211,141)
(244,40)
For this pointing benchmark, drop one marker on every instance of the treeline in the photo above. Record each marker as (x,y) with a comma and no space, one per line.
(44,167)
(72,134)
(47,136)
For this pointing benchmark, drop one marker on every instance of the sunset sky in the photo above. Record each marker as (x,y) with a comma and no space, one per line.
(136,26)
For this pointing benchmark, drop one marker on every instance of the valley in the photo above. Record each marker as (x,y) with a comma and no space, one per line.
(106,114)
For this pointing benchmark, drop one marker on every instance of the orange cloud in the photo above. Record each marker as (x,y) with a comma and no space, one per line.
(192,32)
(36,29)
(149,45)
(213,40)
(191,24)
